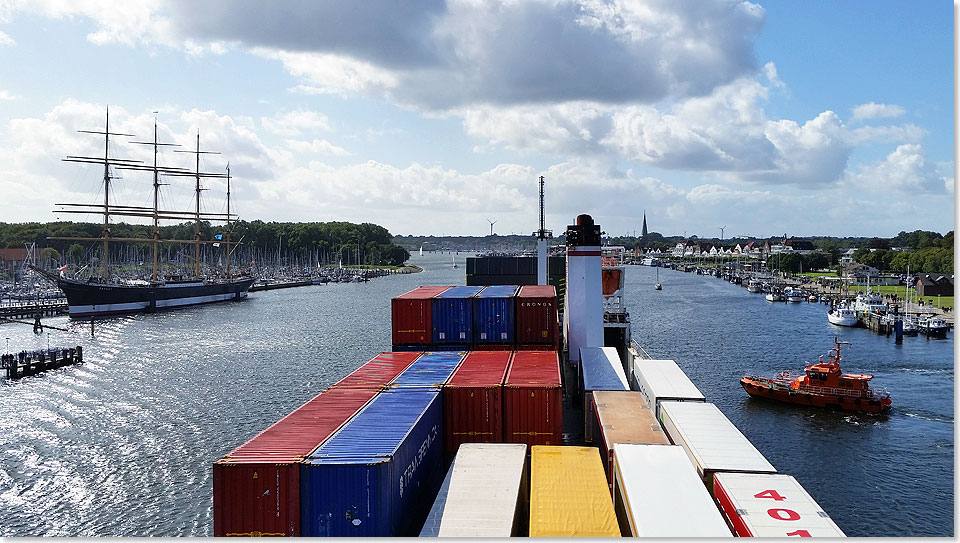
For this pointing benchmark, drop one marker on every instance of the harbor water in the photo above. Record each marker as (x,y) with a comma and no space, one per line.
(123,444)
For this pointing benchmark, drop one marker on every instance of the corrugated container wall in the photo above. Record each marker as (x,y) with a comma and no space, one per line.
(657,493)
(488,490)
(600,369)
(537,319)
(453,315)
(771,505)
(624,417)
(411,315)
(532,399)
(432,369)
(473,400)
(493,315)
(569,496)
(378,371)
(710,440)
(378,475)
(256,488)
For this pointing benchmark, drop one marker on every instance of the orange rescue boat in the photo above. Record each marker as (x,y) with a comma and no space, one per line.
(823,385)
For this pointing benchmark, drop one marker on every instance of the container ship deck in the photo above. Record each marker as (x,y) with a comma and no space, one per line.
(495,415)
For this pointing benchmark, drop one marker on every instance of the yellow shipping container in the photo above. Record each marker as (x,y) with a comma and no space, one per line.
(569,496)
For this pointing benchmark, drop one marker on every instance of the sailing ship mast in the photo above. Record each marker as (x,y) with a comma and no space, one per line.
(108,210)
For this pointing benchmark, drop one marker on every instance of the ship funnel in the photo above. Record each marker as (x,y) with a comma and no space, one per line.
(583,308)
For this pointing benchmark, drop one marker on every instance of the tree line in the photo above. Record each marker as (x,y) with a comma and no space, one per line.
(328,242)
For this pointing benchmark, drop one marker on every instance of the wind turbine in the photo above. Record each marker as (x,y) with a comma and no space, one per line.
(491,225)
(721,231)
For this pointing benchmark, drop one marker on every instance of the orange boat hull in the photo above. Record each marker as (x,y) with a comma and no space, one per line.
(761,388)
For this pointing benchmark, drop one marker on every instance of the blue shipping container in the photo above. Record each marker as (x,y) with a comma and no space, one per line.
(447,347)
(431,369)
(493,314)
(378,475)
(453,315)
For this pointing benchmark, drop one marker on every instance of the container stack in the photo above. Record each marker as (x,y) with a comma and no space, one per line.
(663,380)
(538,327)
(412,318)
(532,399)
(453,318)
(493,318)
(268,464)
(377,476)
(473,400)
(499,318)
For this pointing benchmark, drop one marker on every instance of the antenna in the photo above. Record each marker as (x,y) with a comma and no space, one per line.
(491,225)
(543,233)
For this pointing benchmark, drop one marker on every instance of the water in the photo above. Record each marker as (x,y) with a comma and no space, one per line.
(123,445)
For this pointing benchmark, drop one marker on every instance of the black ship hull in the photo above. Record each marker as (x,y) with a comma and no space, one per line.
(100,299)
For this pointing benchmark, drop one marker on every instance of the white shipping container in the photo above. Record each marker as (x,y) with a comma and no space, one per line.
(663,380)
(600,369)
(710,440)
(771,505)
(487,493)
(657,493)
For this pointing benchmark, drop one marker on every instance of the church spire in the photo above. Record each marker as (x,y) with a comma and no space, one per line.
(643,232)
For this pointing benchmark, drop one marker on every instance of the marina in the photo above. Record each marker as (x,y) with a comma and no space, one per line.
(200,411)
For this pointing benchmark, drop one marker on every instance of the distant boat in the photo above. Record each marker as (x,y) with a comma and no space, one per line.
(658,286)
(421,250)
(842,316)
(454,261)
(775,295)
(795,295)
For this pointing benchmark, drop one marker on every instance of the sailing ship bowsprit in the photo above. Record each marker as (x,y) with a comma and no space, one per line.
(106,295)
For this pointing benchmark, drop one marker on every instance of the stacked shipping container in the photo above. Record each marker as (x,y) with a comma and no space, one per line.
(453,318)
(532,399)
(502,317)
(377,476)
(256,488)
(473,400)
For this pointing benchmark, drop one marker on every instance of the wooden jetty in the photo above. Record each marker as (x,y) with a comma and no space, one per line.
(44,307)
(33,362)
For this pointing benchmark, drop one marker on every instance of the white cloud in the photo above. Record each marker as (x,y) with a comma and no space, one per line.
(906,169)
(6,95)
(294,123)
(5,39)
(874,110)
(322,147)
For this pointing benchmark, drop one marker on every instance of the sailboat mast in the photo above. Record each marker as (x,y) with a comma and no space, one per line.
(156,198)
(228,251)
(106,198)
(196,225)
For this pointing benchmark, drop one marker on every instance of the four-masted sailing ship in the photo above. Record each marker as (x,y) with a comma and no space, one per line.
(107,295)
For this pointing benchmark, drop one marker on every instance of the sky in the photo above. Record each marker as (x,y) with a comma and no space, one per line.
(814,118)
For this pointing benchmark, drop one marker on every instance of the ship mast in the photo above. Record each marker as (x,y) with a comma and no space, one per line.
(196,220)
(229,226)
(156,194)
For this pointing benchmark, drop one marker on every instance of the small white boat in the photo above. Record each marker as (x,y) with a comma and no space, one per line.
(795,295)
(933,327)
(775,296)
(754,286)
(842,316)
(910,326)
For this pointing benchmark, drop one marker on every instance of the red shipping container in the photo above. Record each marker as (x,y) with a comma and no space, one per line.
(493,347)
(537,320)
(532,399)
(473,401)
(378,371)
(412,317)
(256,488)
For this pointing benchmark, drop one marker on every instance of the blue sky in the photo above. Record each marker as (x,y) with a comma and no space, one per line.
(805,118)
